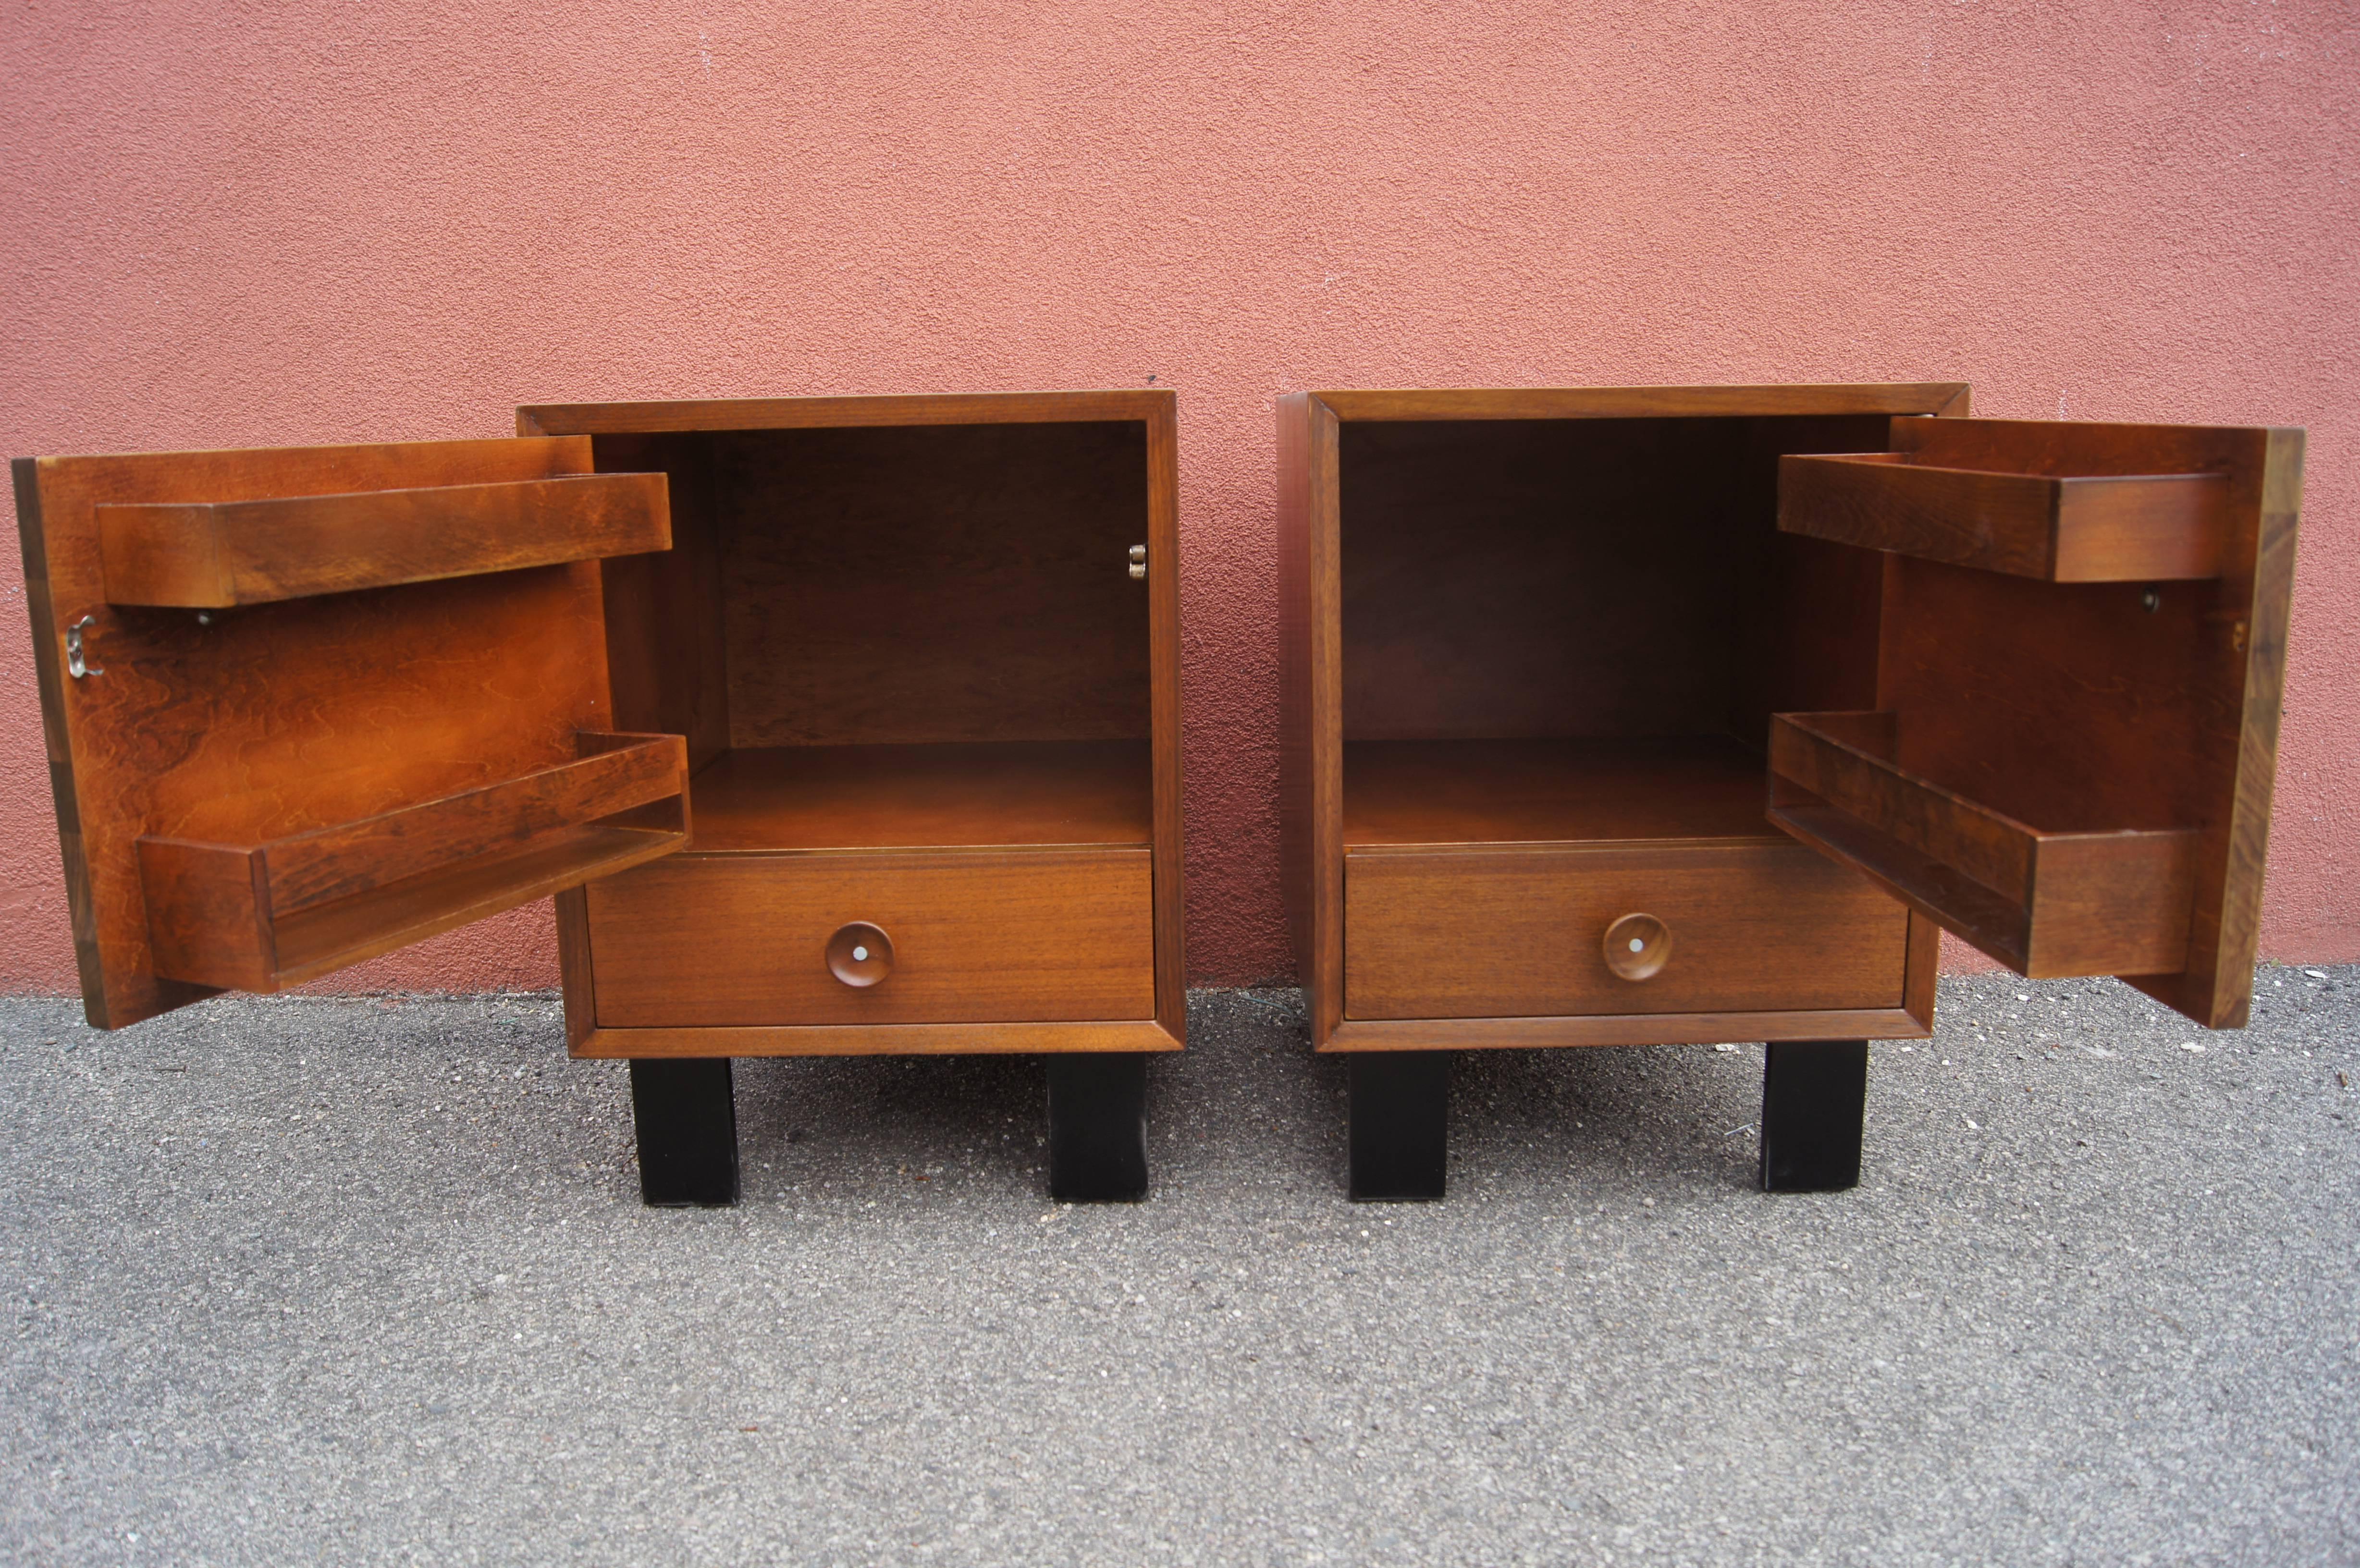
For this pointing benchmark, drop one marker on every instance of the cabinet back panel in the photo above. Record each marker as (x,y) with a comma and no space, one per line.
(887,586)
(1808,634)
(1527,578)
(664,651)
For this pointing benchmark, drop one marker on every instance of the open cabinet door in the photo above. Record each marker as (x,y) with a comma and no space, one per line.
(2081,651)
(307,705)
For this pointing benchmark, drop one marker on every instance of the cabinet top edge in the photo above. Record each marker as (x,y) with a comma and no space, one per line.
(658,417)
(1640,402)
(325,451)
(2257,428)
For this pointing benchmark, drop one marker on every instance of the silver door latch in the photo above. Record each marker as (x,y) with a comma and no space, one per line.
(1138,562)
(77,658)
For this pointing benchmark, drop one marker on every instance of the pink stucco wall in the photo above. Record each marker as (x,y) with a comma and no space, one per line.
(244,224)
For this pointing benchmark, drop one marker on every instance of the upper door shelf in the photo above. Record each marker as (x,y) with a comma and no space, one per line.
(211,555)
(2007,495)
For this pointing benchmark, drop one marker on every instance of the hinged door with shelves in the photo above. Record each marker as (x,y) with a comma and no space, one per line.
(2070,758)
(306,706)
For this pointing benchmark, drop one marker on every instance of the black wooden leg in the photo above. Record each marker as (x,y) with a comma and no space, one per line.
(688,1132)
(1814,1093)
(1400,1129)
(1098,1126)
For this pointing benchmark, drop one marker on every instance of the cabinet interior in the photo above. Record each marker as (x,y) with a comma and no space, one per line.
(2011,675)
(1577,629)
(895,637)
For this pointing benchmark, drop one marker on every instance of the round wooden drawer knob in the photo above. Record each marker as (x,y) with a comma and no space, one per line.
(1638,946)
(860,954)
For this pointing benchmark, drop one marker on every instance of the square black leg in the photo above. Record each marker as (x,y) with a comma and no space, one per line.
(687,1121)
(1814,1095)
(1098,1126)
(1400,1125)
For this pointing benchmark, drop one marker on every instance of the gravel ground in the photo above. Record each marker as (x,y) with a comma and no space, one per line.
(370,1280)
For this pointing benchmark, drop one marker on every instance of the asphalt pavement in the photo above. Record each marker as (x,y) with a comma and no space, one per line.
(347,1281)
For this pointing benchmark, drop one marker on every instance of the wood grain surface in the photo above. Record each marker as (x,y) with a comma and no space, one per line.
(1648,402)
(912,585)
(820,413)
(292,949)
(1628,1028)
(926,797)
(737,940)
(879,1040)
(943,572)
(2060,529)
(215,555)
(1537,791)
(1565,578)
(1552,583)
(1507,933)
(285,717)
(665,651)
(262,916)
(2094,708)
(2095,904)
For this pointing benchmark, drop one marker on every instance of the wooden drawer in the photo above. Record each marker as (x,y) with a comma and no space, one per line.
(1477,933)
(975,937)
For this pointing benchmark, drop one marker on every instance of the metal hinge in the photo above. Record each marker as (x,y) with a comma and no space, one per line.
(77,658)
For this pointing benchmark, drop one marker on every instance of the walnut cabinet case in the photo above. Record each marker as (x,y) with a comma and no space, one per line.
(1662,714)
(835,725)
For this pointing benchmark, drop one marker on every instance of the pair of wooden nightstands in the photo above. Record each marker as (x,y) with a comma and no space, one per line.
(851,725)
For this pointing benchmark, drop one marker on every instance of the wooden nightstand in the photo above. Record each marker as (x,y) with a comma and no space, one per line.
(838,726)
(1660,714)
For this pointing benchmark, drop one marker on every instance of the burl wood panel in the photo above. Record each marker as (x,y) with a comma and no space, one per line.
(215,555)
(2100,707)
(906,584)
(1515,932)
(283,718)
(1017,936)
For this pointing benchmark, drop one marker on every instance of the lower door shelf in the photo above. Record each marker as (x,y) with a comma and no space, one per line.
(266,915)
(2050,905)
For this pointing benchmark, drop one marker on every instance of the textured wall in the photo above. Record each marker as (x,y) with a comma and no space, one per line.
(241,223)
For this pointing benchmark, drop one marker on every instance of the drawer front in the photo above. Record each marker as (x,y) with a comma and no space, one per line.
(1485,934)
(1054,936)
